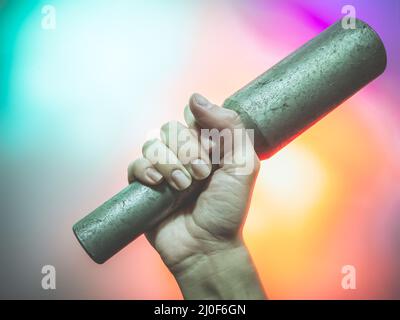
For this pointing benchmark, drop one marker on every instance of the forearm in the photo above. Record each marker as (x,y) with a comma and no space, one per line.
(224,274)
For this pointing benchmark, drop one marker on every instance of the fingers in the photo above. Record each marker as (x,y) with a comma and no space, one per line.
(211,116)
(189,118)
(167,164)
(232,143)
(143,170)
(178,158)
(183,153)
(184,142)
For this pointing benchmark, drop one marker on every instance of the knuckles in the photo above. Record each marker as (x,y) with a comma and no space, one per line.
(170,125)
(233,118)
(148,144)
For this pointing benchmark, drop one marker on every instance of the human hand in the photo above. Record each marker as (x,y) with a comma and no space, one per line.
(201,243)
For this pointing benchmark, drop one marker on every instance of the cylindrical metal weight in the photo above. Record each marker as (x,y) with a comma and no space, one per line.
(278,105)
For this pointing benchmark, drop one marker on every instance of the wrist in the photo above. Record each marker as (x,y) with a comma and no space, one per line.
(225,273)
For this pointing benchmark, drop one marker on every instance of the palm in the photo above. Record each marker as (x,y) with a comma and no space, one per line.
(216,215)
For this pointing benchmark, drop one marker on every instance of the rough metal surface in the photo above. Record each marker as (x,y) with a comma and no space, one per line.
(127,215)
(278,105)
(309,83)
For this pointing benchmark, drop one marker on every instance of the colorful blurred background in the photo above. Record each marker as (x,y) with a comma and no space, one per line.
(78,101)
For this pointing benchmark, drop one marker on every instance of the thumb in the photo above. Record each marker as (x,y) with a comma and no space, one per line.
(211,116)
(238,151)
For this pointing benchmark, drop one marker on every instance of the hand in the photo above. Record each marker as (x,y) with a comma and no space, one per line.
(202,240)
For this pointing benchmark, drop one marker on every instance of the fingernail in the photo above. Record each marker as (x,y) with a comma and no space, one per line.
(200,168)
(180,179)
(201,101)
(153,175)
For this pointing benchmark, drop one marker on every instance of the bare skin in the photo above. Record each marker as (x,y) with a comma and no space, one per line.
(202,243)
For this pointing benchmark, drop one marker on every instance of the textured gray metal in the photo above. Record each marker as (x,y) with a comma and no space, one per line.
(278,105)
(309,83)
